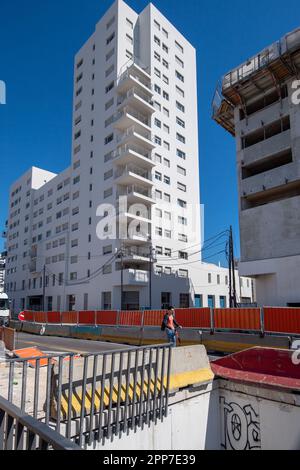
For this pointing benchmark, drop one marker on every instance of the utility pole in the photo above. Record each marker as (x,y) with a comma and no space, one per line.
(151,259)
(122,276)
(44,287)
(232,283)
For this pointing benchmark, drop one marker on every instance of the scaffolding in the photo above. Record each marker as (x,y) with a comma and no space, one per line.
(269,69)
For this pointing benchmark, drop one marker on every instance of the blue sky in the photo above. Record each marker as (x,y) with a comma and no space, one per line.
(38,40)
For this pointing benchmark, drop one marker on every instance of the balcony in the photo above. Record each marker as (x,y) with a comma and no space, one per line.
(130,174)
(136,254)
(132,154)
(134,277)
(137,194)
(137,137)
(134,76)
(138,99)
(128,117)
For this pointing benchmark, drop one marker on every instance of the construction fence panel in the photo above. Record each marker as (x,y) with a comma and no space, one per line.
(130,318)
(87,317)
(282,320)
(28,316)
(40,317)
(69,318)
(106,317)
(237,319)
(193,317)
(153,317)
(53,317)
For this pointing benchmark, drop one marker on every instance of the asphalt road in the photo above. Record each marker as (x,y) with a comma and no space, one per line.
(57,344)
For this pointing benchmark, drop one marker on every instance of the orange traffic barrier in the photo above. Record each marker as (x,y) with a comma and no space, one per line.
(193,317)
(53,317)
(153,317)
(106,317)
(40,317)
(282,319)
(69,318)
(130,318)
(87,317)
(237,318)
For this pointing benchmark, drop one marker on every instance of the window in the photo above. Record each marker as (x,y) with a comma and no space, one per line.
(109,87)
(209,278)
(180,91)
(158,231)
(180,106)
(166,129)
(166,112)
(129,39)
(183,255)
(157,122)
(165,48)
(166,145)
(167,197)
(109,104)
(158,213)
(108,139)
(181,187)
(166,298)
(165,63)
(158,194)
(182,237)
(157,72)
(107,250)
(106,300)
(166,95)
(108,174)
(157,140)
(184,301)
(157,106)
(129,54)
(168,252)
(167,163)
(183,273)
(79,64)
(181,171)
(110,38)
(110,54)
(157,25)
(157,40)
(109,70)
(179,61)
(157,56)
(157,89)
(165,33)
(158,176)
(182,220)
(111,21)
(179,47)
(222,301)
(180,138)
(181,154)
(129,23)
(211,301)
(167,179)
(73,276)
(180,122)
(107,269)
(107,193)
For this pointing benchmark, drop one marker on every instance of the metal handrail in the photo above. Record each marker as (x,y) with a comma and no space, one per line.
(21,431)
(56,382)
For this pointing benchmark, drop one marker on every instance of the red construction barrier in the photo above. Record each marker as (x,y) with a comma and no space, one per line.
(69,318)
(28,316)
(40,317)
(53,317)
(153,317)
(106,317)
(130,318)
(193,317)
(87,317)
(237,318)
(282,319)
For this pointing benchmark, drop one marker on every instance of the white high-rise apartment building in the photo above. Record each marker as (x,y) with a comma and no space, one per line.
(134,162)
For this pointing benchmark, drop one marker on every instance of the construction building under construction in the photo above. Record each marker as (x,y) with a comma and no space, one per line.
(259,104)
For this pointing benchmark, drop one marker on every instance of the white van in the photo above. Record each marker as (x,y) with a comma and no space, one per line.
(4,309)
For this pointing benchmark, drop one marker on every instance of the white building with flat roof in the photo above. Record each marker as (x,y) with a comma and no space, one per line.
(121,227)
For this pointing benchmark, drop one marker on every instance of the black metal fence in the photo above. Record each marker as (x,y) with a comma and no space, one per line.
(92,397)
(19,431)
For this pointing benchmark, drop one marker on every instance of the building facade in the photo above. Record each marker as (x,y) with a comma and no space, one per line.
(121,227)
(259,104)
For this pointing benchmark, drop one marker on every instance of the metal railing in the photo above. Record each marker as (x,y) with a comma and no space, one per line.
(124,149)
(132,92)
(19,431)
(125,170)
(132,131)
(133,113)
(92,396)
